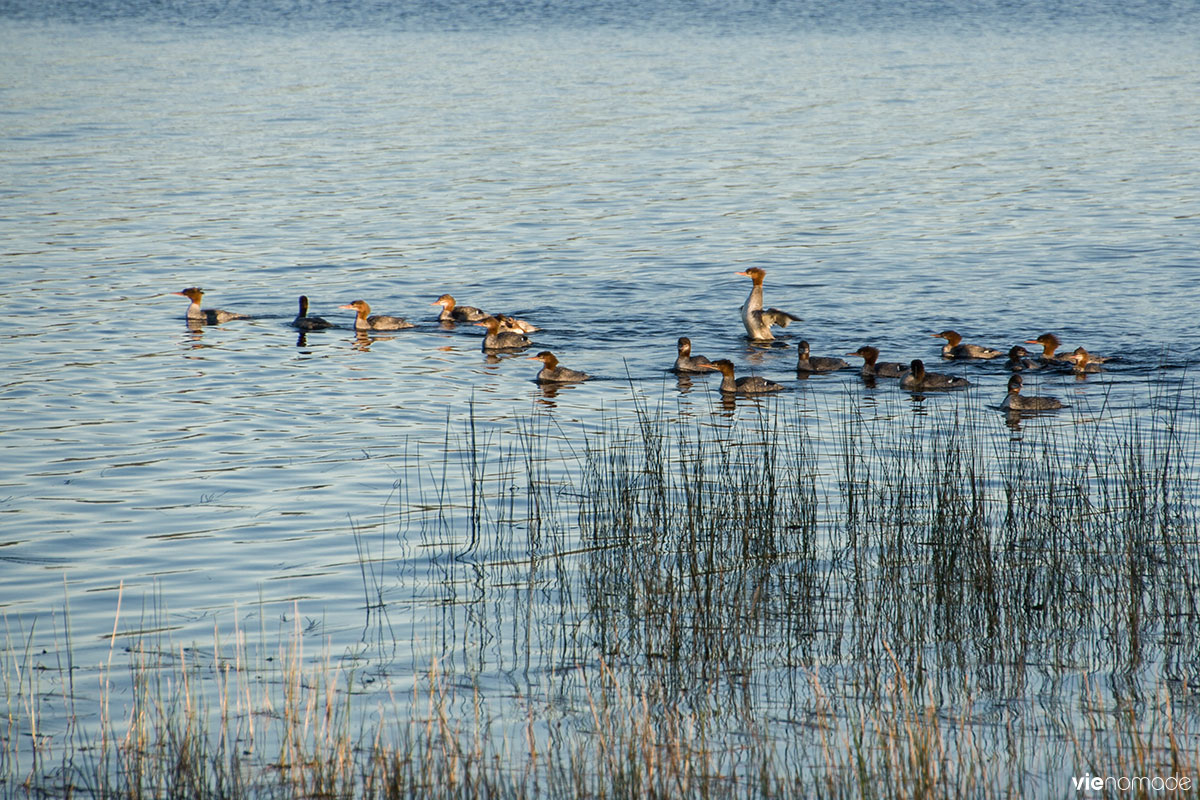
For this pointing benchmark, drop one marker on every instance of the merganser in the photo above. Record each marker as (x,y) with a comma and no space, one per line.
(551,372)
(686,362)
(1050,343)
(757,321)
(451,312)
(306,323)
(508,323)
(377,322)
(209,316)
(750,384)
(496,339)
(1015,401)
(807,363)
(1083,362)
(873,369)
(918,380)
(1018,359)
(953,348)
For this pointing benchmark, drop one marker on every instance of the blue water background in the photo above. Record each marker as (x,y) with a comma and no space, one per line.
(601,169)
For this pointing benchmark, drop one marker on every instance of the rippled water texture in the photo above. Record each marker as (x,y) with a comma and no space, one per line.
(897,170)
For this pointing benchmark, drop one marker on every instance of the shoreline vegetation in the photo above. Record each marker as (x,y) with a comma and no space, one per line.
(851,603)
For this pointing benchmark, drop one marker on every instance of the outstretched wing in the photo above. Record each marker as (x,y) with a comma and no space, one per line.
(773,316)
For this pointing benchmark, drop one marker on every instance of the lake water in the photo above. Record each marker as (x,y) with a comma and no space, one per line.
(602,170)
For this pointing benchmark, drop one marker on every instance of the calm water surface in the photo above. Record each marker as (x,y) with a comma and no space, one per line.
(895,174)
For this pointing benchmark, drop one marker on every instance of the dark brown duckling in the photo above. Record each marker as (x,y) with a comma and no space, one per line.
(918,380)
(1015,401)
(809,363)
(686,363)
(750,384)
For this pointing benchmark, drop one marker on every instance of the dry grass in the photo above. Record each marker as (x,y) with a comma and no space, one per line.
(796,605)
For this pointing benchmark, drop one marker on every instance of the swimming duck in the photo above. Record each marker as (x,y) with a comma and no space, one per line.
(685,362)
(872,368)
(807,363)
(377,322)
(306,323)
(508,323)
(758,321)
(1083,362)
(1049,343)
(1015,401)
(208,316)
(497,339)
(750,384)
(918,380)
(1018,360)
(954,348)
(551,372)
(452,312)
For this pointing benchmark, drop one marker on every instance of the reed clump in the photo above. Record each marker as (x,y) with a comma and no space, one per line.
(781,602)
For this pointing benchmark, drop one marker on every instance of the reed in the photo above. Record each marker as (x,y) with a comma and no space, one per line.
(783,602)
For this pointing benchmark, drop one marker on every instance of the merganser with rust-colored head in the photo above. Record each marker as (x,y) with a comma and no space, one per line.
(207,316)
(686,363)
(1049,343)
(452,312)
(497,339)
(954,348)
(1083,362)
(918,380)
(365,321)
(1015,401)
(810,363)
(306,323)
(750,384)
(758,321)
(551,372)
(873,368)
(508,323)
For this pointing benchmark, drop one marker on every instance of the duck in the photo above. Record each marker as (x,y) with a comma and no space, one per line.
(207,316)
(807,363)
(686,363)
(452,312)
(551,372)
(872,368)
(508,323)
(1015,401)
(1018,360)
(1083,362)
(1049,343)
(497,339)
(306,323)
(918,380)
(750,384)
(377,322)
(758,321)
(954,348)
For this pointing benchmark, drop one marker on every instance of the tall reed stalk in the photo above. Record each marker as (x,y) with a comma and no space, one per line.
(857,602)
